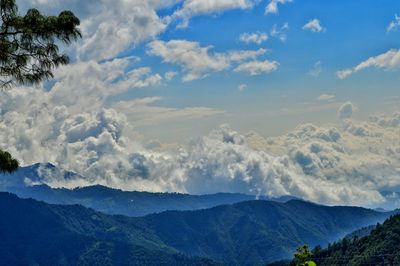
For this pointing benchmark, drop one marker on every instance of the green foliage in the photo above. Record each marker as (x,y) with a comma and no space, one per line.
(7,163)
(380,247)
(28,49)
(303,255)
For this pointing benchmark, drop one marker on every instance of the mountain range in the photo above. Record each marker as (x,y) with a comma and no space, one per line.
(245,233)
(30,182)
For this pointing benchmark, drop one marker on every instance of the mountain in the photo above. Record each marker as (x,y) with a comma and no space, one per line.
(245,233)
(255,232)
(35,233)
(28,182)
(380,247)
(365,231)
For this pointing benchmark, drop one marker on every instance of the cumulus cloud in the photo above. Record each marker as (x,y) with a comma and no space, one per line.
(76,125)
(314,25)
(109,27)
(388,60)
(257,67)
(326,165)
(362,154)
(256,37)
(197,61)
(272,7)
(346,110)
(84,84)
(394,25)
(126,23)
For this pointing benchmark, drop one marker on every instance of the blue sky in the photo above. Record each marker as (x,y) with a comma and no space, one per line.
(352,33)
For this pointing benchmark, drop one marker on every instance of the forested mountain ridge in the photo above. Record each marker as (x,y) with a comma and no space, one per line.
(35,233)
(254,232)
(246,233)
(380,247)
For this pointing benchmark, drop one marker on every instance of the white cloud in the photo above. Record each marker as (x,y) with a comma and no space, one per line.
(76,126)
(193,8)
(326,97)
(314,25)
(125,23)
(109,27)
(242,87)
(239,56)
(326,165)
(257,67)
(194,59)
(197,61)
(361,154)
(342,74)
(280,33)
(84,84)
(272,7)
(394,25)
(388,60)
(346,110)
(170,75)
(256,37)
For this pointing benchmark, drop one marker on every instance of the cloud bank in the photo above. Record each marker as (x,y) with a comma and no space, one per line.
(348,165)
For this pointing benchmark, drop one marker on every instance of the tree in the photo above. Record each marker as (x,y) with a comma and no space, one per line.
(302,257)
(29,50)
(7,163)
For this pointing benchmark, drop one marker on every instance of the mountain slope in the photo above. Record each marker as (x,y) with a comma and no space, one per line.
(254,232)
(33,233)
(246,233)
(380,247)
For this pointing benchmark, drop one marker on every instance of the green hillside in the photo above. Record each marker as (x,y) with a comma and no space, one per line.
(255,232)
(381,247)
(34,233)
(246,233)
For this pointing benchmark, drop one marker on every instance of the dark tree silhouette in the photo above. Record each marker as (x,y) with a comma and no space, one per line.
(29,50)
(7,163)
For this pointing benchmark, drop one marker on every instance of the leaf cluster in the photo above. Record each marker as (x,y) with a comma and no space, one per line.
(29,44)
(7,163)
